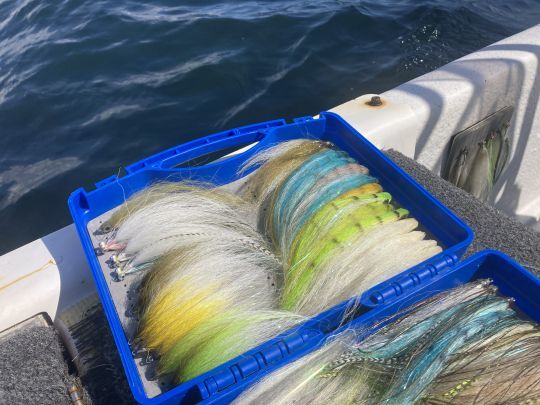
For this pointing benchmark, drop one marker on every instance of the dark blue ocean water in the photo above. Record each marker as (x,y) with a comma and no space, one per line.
(89,86)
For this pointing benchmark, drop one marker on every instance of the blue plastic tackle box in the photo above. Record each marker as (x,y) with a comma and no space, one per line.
(183,162)
(511,279)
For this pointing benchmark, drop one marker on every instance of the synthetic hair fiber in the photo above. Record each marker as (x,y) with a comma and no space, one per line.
(465,345)
(331,224)
(219,273)
(210,282)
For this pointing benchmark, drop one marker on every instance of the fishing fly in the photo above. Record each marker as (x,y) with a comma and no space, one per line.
(318,207)
(465,345)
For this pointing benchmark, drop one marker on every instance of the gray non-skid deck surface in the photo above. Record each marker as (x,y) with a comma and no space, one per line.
(492,229)
(32,366)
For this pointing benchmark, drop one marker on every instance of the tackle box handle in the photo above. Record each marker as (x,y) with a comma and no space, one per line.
(228,141)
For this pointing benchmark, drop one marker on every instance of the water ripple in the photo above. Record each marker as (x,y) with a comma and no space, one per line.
(15,46)
(268,81)
(159,78)
(19,180)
